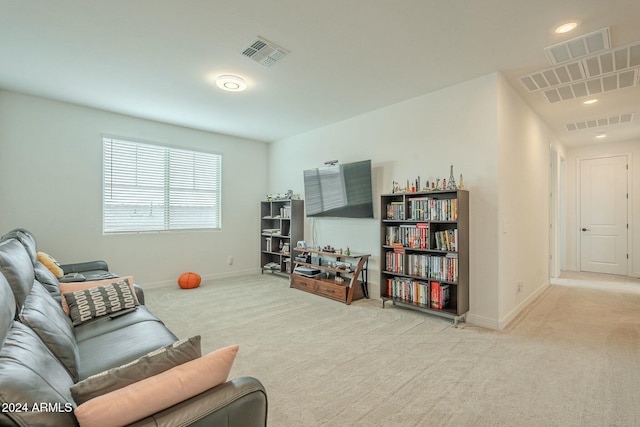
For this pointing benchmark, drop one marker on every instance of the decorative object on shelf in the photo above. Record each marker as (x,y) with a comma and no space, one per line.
(301,244)
(285,248)
(282,196)
(347,251)
(189,280)
(461,186)
(451,184)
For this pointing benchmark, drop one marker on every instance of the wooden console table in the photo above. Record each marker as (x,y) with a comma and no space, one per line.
(353,286)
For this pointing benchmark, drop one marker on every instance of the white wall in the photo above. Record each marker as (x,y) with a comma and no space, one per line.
(631,148)
(524,211)
(51,184)
(422,136)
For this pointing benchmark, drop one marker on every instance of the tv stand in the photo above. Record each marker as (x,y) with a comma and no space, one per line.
(346,285)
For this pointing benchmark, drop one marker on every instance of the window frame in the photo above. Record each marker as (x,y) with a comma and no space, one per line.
(215,193)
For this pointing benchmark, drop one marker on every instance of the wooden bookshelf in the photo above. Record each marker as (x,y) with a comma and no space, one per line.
(281,227)
(336,282)
(425,247)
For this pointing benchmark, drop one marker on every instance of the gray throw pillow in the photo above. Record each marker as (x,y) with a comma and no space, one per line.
(90,303)
(147,366)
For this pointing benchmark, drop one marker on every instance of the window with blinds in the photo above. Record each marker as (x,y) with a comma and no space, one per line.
(155,188)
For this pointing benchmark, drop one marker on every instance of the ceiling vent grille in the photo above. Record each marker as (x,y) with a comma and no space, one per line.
(592,87)
(579,47)
(613,60)
(264,52)
(555,76)
(596,123)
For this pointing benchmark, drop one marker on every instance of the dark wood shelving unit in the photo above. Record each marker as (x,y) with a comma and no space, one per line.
(435,259)
(286,216)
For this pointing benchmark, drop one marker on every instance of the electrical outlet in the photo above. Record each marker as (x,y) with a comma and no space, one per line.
(520,285)
(230,260)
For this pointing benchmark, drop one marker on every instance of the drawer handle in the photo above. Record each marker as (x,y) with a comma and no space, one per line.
(330,291)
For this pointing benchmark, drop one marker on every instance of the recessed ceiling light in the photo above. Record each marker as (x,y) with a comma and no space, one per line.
(231,83)
(601,135)
(590,101)
(566,27)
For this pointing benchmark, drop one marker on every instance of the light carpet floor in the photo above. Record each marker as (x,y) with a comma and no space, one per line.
(572,358)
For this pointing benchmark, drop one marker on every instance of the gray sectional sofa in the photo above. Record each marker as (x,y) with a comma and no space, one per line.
(42,355)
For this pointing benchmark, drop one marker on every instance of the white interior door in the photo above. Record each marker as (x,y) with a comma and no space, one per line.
(603,215)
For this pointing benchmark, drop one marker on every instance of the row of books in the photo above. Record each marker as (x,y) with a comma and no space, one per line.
(395,210)
(432,294)
(408,236)
(446,240)
(425,266)
(424,209)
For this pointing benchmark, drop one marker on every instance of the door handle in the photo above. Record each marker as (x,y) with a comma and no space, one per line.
(585,229)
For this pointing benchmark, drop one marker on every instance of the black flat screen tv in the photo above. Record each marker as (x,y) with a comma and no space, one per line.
(339,191)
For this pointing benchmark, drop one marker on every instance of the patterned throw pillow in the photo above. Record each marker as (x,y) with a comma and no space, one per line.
(100,301)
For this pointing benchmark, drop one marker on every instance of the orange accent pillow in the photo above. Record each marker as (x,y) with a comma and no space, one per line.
(51,263)
(146,397)
(81,286)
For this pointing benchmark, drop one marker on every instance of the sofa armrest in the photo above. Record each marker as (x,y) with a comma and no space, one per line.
(80,267)
(240,402)
(139,293)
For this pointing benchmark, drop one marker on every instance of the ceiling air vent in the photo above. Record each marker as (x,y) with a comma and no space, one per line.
(596,123)
(264,52)
(553,77)
(592,87)
(613,60)
(579,47)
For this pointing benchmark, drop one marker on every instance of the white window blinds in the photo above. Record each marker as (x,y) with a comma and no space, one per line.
(155,188)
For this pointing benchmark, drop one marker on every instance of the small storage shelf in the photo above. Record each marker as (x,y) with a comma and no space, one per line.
(281,227)
(354,284)
(425,252)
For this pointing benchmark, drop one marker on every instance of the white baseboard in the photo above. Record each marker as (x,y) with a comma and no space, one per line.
(208,277)
(482,321)
(504,322)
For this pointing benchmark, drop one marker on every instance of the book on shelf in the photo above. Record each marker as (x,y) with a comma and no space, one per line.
(415,236)
(439,295)
(395,210)
(408,290)
(446,240)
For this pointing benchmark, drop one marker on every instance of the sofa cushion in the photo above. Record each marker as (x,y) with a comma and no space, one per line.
(104,325)
(122,345)
(17,268)
(32,377)
(100,301)
(43,315)
(7,308)
(146,366)
(141,399)
(48,280)
(79,286)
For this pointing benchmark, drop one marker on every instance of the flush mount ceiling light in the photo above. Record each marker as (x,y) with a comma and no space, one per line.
(231,83)
(601,135)
(566,27)
(590,101)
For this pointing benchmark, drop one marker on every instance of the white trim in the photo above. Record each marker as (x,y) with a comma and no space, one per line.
(205,279)
(505,321)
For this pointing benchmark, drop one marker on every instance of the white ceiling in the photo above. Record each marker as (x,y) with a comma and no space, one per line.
(155,58)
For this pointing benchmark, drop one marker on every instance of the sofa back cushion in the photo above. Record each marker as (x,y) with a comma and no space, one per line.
(34,381)
(48,280)
(26,239)
(45,317)
(17,268)
(7,308)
